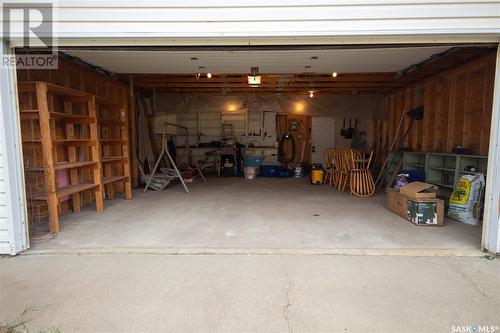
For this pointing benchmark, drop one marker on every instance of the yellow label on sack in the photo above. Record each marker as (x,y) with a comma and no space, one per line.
(461,192)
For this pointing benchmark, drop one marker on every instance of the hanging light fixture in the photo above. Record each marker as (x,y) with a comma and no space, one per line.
(209,75)
(254,80)
(334,74)
(311,93)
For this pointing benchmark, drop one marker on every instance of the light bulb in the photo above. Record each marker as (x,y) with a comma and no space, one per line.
(209,75)
(311,94)
(334,74)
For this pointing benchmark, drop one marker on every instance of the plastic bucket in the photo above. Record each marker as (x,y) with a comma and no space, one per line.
(250,172)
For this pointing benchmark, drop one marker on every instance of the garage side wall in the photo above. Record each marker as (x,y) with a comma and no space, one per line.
(457,109)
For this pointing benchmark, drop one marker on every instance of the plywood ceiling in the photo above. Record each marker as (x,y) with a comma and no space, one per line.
(368,60)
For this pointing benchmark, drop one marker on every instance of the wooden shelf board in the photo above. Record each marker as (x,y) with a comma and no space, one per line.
(113,179)
(442,169)
(36,169)
(76,142)
(112,159)
(59,90)
(70,117)
(113,141)
(53,89)
(67,190)
(110,122)
(441,184)
(472,173)
(71,189)
(73,165)
(105,100)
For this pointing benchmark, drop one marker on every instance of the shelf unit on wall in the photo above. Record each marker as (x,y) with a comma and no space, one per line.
(114,142)
(57,124)
(442,169)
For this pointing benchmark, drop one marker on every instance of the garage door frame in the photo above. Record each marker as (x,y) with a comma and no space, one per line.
(491,230)
(13,236)
(491,221)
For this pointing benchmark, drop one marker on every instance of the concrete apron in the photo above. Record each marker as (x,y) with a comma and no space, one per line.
(263,251)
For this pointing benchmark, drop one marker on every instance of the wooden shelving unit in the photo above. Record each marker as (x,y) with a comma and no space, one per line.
(444,169)
(113,139)
(55,147)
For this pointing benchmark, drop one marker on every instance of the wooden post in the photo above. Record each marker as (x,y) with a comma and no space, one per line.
(70,134)
(125,152)
(104,133)
(96,156)
(47,148)
(133,132)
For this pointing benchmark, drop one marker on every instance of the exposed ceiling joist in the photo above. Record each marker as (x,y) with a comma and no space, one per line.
(349,83)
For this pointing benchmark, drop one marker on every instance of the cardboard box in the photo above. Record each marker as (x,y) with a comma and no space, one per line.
(397,203)
(413,197)
(418,190)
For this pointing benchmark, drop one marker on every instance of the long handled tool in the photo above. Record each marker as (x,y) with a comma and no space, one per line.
(415,114)
(382,170)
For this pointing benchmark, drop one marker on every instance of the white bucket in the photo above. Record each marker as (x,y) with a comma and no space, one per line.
(298,172)
(250,172)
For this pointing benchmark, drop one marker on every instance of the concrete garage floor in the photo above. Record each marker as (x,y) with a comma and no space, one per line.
(250,293)
(269,214)
(114,272)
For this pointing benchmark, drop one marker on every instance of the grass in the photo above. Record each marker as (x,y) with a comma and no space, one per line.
(20,324)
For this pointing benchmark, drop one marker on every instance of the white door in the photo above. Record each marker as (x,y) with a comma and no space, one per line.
(322,136)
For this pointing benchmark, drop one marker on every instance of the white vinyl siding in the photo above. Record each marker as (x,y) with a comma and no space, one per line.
(272,18)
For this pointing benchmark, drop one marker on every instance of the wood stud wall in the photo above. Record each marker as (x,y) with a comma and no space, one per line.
(457,110)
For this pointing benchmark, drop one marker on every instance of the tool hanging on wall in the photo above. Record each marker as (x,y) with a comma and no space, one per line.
(359,138)
(347,132)
(281,152)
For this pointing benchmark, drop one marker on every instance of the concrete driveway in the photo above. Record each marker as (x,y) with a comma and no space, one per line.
(250,293)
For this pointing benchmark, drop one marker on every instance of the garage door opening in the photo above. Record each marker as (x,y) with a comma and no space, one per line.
(302,160)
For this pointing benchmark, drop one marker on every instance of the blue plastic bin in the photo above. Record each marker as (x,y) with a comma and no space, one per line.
(253,161)
(273,171)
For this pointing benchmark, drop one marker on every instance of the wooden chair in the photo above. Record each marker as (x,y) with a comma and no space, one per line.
(343,169)
(329,165)
(347,167)
(361,180)
(338,171)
